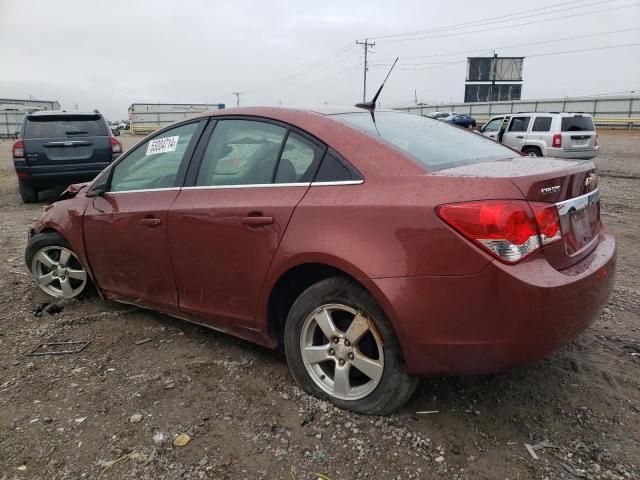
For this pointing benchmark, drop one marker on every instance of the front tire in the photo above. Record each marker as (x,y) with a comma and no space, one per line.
(27,193)
(55,267)
(341,347)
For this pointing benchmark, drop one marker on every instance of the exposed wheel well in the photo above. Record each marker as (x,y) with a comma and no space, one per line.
(529,148)
(289,287)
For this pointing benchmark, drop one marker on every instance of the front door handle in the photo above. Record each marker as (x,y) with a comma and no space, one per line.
(519,136)
(257,221)
(150,221)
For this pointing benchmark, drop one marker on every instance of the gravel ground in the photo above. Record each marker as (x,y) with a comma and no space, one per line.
(114,410)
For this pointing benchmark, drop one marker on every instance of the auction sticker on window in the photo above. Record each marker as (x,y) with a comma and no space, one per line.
(162,145)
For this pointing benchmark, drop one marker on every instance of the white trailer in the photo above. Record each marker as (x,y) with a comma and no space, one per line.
(148,117)
(13,110)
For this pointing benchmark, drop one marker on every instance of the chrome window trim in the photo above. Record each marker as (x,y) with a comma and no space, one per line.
(142,190)
(338,182)
(578,203)
(248,185)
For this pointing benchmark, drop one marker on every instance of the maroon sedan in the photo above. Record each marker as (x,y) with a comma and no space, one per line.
(372,248)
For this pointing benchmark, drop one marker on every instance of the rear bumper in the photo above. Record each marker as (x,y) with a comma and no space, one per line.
(580,153)
(57,176)
(502,317)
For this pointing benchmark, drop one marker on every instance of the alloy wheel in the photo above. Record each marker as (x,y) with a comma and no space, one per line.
(58,272)
(342,351)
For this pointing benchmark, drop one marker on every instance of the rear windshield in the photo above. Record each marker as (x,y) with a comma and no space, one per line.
(577,124)
(54,126)
(435,144)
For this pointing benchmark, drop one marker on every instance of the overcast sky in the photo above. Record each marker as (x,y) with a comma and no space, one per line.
(109,54)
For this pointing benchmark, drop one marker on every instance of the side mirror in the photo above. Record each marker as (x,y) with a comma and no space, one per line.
(116,132)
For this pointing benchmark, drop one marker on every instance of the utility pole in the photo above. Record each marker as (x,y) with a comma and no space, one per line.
(494,66)
(237,94)
(366,44)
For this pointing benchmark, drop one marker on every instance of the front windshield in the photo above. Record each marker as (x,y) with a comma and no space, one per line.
(433,143)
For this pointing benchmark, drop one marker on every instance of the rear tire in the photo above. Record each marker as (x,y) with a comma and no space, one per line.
(27,193)
(360,368)
(532,151)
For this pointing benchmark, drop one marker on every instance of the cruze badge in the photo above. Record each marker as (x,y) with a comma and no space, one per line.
(591,181)
(548,190)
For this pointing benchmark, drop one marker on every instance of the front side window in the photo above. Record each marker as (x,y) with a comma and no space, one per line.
(155,163)
(493,125)
(519,124)
(432,143)
(241,152)
(541,124)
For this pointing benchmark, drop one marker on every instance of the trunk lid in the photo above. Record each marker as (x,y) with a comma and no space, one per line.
(570,184)
(578,132)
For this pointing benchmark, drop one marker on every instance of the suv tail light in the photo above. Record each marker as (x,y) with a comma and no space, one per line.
(557,141)
(116,146)
(510,230)
(18,149)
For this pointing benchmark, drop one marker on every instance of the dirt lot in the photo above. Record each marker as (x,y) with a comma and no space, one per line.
(70,417)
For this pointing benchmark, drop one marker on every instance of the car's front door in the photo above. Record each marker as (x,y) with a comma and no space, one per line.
(516,132)
(125,229)
(247,178)
(492,128)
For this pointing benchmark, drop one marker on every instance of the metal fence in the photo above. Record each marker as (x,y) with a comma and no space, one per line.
(618,111)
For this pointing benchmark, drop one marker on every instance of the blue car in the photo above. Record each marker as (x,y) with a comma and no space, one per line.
(464,121)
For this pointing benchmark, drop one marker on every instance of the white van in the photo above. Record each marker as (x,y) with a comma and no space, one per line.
(563,135)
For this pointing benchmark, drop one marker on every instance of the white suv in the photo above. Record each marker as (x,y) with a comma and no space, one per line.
(562,135)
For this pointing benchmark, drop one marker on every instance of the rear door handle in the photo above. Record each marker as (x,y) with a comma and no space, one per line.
(519,136)
(150,221)
(257,221)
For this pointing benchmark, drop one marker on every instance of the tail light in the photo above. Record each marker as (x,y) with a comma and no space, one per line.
(557,141)
(510,230)
(18,149)
(116,146)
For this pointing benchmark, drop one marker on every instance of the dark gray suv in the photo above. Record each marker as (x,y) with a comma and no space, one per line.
(57,148)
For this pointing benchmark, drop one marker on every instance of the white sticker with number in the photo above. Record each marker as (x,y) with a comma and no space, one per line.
(162,145)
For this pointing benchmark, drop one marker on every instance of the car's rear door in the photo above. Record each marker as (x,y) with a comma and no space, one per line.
(125,229)
(246,179)
(71,139)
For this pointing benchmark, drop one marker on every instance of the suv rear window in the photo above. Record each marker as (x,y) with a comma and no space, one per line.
(53,126)
(577,124)
(435,144)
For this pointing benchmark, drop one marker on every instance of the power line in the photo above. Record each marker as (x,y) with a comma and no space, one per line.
(386,63)
(475,22)
(502,27)
(337,53)
(608,47)
(287,84)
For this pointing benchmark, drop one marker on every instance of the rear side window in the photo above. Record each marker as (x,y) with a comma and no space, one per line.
(335,169)
(298,161)
(541,124)
(434,144)
(54,126)
(577,124)
(519,124)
